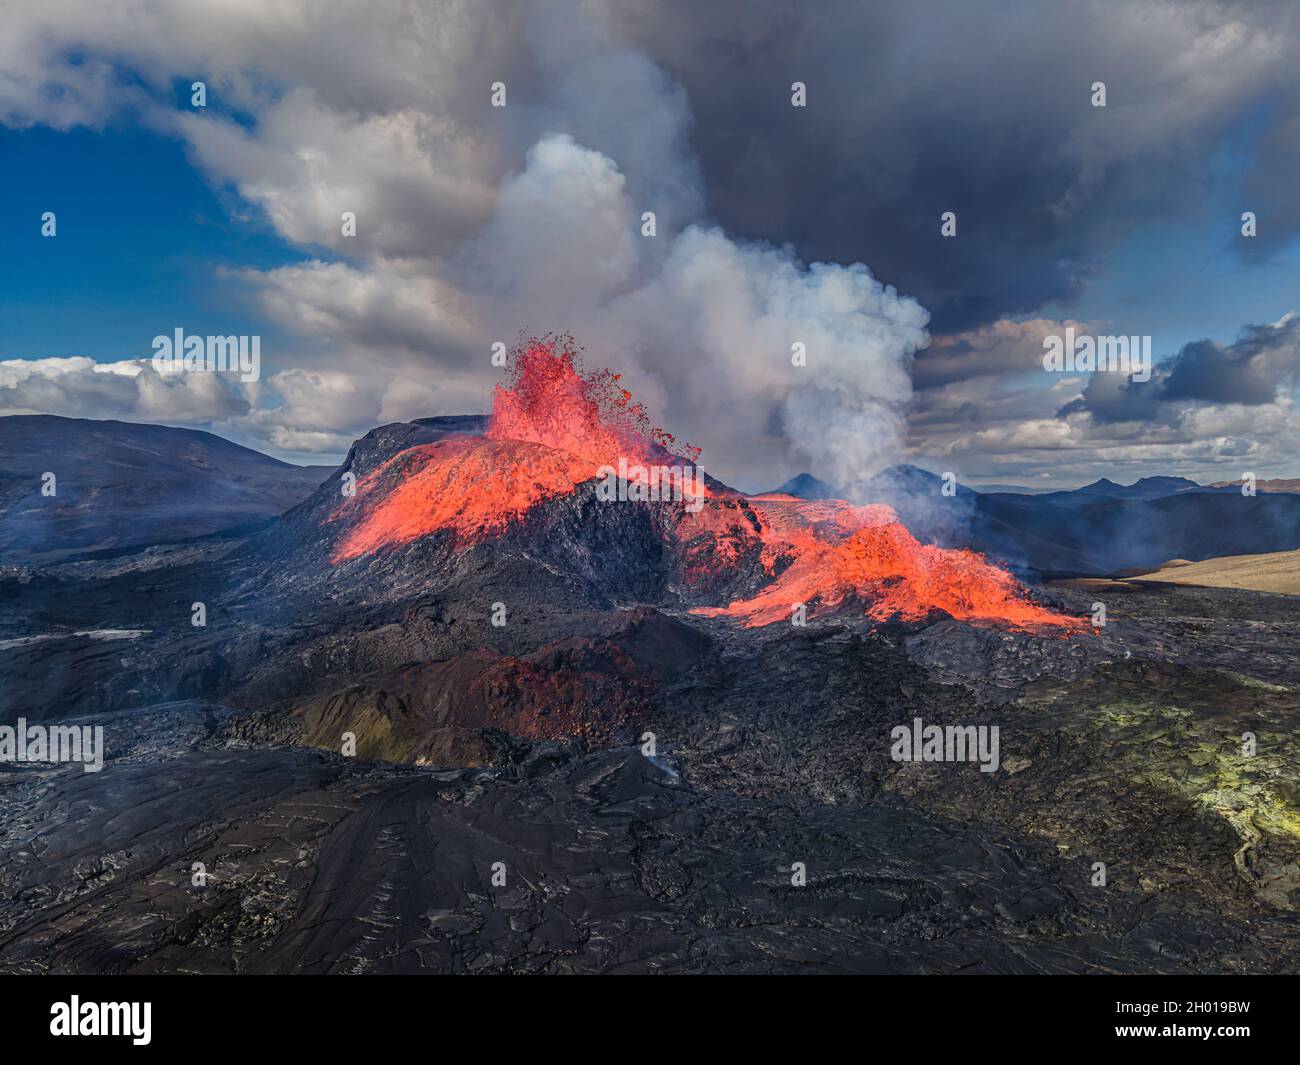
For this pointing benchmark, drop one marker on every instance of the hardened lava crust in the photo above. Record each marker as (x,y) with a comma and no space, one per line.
(523,748)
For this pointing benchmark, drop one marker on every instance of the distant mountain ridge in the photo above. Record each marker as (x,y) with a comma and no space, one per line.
(1277,484)
(806,486)
(1146,488)
(120,485)
(1094,530)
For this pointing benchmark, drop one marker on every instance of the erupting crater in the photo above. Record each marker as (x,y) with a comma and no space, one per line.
(551,429)
(554,427)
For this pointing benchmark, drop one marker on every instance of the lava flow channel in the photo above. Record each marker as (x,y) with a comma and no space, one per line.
(553,427)
(841,552)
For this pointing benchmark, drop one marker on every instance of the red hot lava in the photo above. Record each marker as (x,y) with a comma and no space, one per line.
(553,427)
(549,401)
(867,554)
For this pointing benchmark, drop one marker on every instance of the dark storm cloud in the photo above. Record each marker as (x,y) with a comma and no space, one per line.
(980,109)
(1250,372)
(1207,371)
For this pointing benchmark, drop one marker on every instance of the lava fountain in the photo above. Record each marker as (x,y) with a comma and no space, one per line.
(553,427)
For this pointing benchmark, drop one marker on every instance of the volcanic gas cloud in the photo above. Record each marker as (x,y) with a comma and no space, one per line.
(553,427)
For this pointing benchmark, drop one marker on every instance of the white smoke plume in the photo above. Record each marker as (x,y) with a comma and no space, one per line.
(474,224)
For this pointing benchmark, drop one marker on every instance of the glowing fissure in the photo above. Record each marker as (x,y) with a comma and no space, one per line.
(553,427)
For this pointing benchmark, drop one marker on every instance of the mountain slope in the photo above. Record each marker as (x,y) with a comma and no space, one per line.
(121,485)
(1275,572)
(806,486)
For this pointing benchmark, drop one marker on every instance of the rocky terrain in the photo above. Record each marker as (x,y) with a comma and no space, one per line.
(769,752)
(351,768)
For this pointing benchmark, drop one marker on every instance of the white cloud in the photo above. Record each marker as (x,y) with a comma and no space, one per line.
(133,390)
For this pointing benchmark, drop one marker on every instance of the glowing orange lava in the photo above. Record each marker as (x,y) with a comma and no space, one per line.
(549,401)
(473,486)
(866,553)
(553,427)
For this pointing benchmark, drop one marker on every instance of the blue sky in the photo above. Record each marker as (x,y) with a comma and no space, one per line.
(1184,278)
(142,239)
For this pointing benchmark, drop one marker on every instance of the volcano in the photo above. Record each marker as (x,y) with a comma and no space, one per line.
(462,649)
(555,430)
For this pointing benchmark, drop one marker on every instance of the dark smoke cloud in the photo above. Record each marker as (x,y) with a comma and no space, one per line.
(982,109)
(1251,371)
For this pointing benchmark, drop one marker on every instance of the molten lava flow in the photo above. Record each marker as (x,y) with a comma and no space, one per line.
(467,484)
(553,427)
(866,553)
